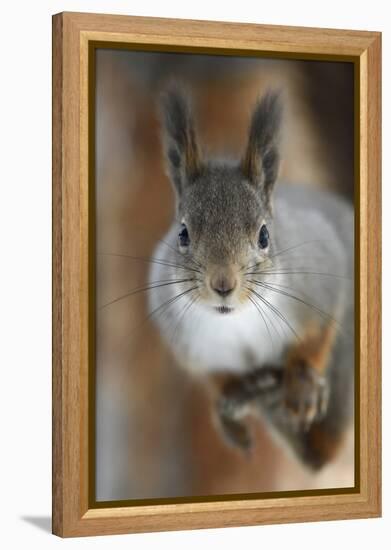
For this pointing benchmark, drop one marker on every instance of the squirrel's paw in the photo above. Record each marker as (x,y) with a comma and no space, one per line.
(236,434)
(306,395)
(237,399)
(230,410)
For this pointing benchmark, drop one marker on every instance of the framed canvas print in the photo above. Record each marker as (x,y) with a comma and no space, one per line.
(216,274)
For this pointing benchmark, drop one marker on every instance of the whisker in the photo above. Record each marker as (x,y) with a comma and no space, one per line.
(162,241)
(164,305)
(184,311)
(271,320)
(279,252)
(259,309)
(159,261)
(289,288)
(298,299)
(276,311)
(309,258)
(151,286)
(190,260)
(282,272)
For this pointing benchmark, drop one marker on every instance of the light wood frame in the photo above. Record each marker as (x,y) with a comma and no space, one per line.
(72,33)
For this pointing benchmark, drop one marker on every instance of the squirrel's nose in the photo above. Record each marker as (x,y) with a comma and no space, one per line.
(223,285)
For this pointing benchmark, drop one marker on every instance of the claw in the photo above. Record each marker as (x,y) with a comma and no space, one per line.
(236,434)
(306,396)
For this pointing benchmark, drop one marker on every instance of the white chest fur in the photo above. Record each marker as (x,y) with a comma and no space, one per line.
(204,340)
(235,341)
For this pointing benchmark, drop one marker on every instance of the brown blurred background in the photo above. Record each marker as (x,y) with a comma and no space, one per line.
(154,434)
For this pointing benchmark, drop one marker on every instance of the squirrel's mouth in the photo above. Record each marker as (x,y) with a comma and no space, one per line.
(224,309)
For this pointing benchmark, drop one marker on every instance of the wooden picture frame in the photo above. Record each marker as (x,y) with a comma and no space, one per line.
(74,37)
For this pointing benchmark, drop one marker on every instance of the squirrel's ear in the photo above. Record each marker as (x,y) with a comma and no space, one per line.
(180,142)
(262,160)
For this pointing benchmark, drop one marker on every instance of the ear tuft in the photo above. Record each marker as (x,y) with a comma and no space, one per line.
(181,147)
(262,160)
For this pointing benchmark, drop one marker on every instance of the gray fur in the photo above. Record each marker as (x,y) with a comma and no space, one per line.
(223,204)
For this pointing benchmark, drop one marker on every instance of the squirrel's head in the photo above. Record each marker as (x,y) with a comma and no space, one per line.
(224,208)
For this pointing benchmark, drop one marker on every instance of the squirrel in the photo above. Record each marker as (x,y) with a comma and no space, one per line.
(251,285)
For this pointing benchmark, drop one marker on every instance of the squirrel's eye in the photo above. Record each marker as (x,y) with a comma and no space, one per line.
(184,239)
(263,239)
